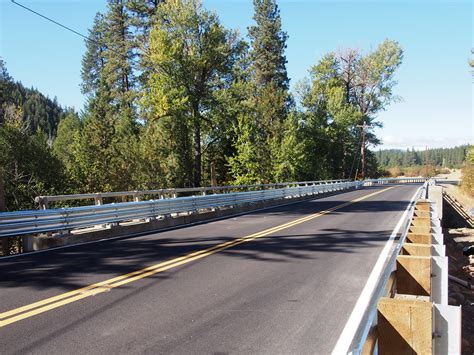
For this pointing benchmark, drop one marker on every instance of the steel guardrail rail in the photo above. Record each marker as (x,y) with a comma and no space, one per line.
(98,197)
(370,315)
(65,219)
(448,181)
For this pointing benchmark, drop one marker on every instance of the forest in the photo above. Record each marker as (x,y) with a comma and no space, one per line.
(175,99)
(439,157)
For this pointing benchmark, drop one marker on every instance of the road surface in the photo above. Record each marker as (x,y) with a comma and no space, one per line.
(277,281)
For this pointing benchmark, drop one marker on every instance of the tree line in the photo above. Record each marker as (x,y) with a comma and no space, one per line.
(440,157)
(175,99)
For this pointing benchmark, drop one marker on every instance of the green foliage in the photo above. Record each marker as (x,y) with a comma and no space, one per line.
(261,128)
(251,163)
(330,120)
(268,43)
(445,157)
(63,147)
(175,99)
(38,112)
(467,183)
(94,59)
(28,168)
(290,155)
(192,56)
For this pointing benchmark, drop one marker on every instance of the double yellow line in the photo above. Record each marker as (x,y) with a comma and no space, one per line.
(48,304)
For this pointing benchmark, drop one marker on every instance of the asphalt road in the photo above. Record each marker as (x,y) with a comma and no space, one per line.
(289,290)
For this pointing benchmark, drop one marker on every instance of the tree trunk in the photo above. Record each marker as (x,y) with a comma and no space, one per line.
(197,150)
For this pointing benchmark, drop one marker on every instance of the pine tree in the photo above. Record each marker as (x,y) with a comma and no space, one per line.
(93,61)
(107,146)
(268,44)
(117,71)
(268,102)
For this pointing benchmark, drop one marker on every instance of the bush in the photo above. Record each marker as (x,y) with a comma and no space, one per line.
(395,171)
(444,171)
(467,182)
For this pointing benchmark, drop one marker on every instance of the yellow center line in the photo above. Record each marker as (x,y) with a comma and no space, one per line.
(45,305)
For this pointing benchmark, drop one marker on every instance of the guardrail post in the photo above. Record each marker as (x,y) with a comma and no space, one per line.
(404,326)
(44,203)
(98,200)
(414,275)
(136,197)
(27,243)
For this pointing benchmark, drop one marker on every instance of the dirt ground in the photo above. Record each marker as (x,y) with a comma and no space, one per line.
(453,175)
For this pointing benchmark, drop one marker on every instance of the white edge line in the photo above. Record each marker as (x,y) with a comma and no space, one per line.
(345,339)
(167,229)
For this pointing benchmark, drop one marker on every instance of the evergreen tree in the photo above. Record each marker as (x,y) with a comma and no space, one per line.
(107,146)
(117,71)
(93,61)
(268,102)
(268,42)
(38,112)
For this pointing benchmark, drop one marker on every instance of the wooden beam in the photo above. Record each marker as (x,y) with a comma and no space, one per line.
(404,326)
(419,238)
(421,222)
(414,275)
(415,249)
(420,230)
(423,214)
(423,206)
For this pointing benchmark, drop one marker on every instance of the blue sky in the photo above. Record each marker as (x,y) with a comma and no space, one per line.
(435,82)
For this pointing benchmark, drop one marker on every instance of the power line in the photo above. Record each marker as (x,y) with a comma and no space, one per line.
(54,21)
(65,27)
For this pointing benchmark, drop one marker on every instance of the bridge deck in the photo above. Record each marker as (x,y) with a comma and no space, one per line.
(287,290)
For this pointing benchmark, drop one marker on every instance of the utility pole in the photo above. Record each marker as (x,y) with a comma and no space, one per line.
(364,128)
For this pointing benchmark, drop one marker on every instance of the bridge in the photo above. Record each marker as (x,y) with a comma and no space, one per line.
(305,267)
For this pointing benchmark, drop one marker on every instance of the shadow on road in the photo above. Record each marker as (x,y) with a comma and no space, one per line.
(74,267)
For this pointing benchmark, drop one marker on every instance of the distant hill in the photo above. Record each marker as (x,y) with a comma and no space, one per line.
(38,111)
(441,157)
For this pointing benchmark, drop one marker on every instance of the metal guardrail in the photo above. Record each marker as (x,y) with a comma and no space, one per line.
(370,316)
(65,219)
(44,201)
(448,181)
(407,180)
